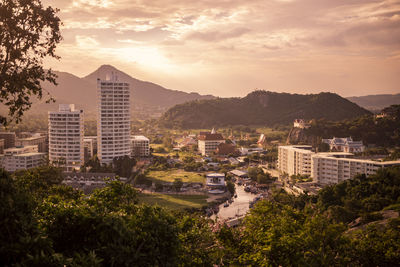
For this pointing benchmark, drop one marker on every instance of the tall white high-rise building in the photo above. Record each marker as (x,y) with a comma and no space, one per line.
(114,119)
(66,136)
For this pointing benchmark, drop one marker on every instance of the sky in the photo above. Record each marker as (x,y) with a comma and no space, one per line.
(230,48)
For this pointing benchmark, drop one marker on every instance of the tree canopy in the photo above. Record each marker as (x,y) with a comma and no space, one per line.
(45,223)
(29,32)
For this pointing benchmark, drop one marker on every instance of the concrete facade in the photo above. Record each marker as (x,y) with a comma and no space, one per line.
(114,119)
(66,137)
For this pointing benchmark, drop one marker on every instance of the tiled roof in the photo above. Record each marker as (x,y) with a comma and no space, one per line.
(211,137)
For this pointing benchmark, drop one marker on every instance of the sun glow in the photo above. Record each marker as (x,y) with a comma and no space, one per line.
(147,57)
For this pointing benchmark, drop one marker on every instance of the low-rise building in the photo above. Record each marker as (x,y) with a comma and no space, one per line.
(332,168)
(89,181)
(344,144)
(35,139)
(250,150)
(22,158)
(325,168)
(239,173)
(215,183)
(209,142)
(140,146)
(9,139)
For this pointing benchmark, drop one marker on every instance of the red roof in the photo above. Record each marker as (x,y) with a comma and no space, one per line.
(211,137)
(225,149)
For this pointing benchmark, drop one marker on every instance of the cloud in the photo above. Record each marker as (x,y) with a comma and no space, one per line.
(212,36)
(266,40)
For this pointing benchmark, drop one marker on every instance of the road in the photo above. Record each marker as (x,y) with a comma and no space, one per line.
(238,207)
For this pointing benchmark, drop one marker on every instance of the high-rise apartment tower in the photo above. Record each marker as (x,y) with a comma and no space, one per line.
(114,120)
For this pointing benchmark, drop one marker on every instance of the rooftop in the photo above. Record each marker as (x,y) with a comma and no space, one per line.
(211,137)
(215,175)
(29,154)
(139,138)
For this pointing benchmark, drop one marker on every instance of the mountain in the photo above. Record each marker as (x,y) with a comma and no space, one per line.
(83,92)
(260,108)
(375,102)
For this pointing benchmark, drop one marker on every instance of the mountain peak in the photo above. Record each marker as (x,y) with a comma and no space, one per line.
(107,67)
(102,71)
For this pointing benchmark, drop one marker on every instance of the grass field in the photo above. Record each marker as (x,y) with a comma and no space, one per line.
(182,154)
(171,175)
(175,202)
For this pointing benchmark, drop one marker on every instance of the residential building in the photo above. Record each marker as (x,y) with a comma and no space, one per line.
(215,179)
(209,142)
(294,160)
(66,137)
(239,173)
(114,119)
(89,147)
(251,150)
(36,139)
(20,150)
(9,139)
(325,168)
(331,168)
(344,144)
(140,146)
(215,183)
(22,158)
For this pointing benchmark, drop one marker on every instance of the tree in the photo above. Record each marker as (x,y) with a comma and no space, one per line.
(123,166)
(177,184)
(29,32)
(231,187)
(264,178)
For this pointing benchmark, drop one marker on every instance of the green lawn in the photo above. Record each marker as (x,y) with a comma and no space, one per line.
(172,174)
(271,133)
(175,202)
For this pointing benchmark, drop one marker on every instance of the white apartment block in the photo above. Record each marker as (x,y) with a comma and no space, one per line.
(22,158)
(325,168)
(328,168)
(294,160)
(114,119)
(66,136)
(209,142)
(140,146)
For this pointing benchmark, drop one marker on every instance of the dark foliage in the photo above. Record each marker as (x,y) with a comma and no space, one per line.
(260,108)
(29,32)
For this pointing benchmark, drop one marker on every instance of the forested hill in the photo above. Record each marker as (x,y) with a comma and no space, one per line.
(260,108)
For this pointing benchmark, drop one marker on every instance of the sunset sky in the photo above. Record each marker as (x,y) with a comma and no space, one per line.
(229,48)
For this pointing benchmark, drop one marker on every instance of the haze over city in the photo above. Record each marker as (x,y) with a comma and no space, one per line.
(229,48)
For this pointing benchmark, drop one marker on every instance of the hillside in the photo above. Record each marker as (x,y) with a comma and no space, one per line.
(375,102)
(82,92)
(260,108)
